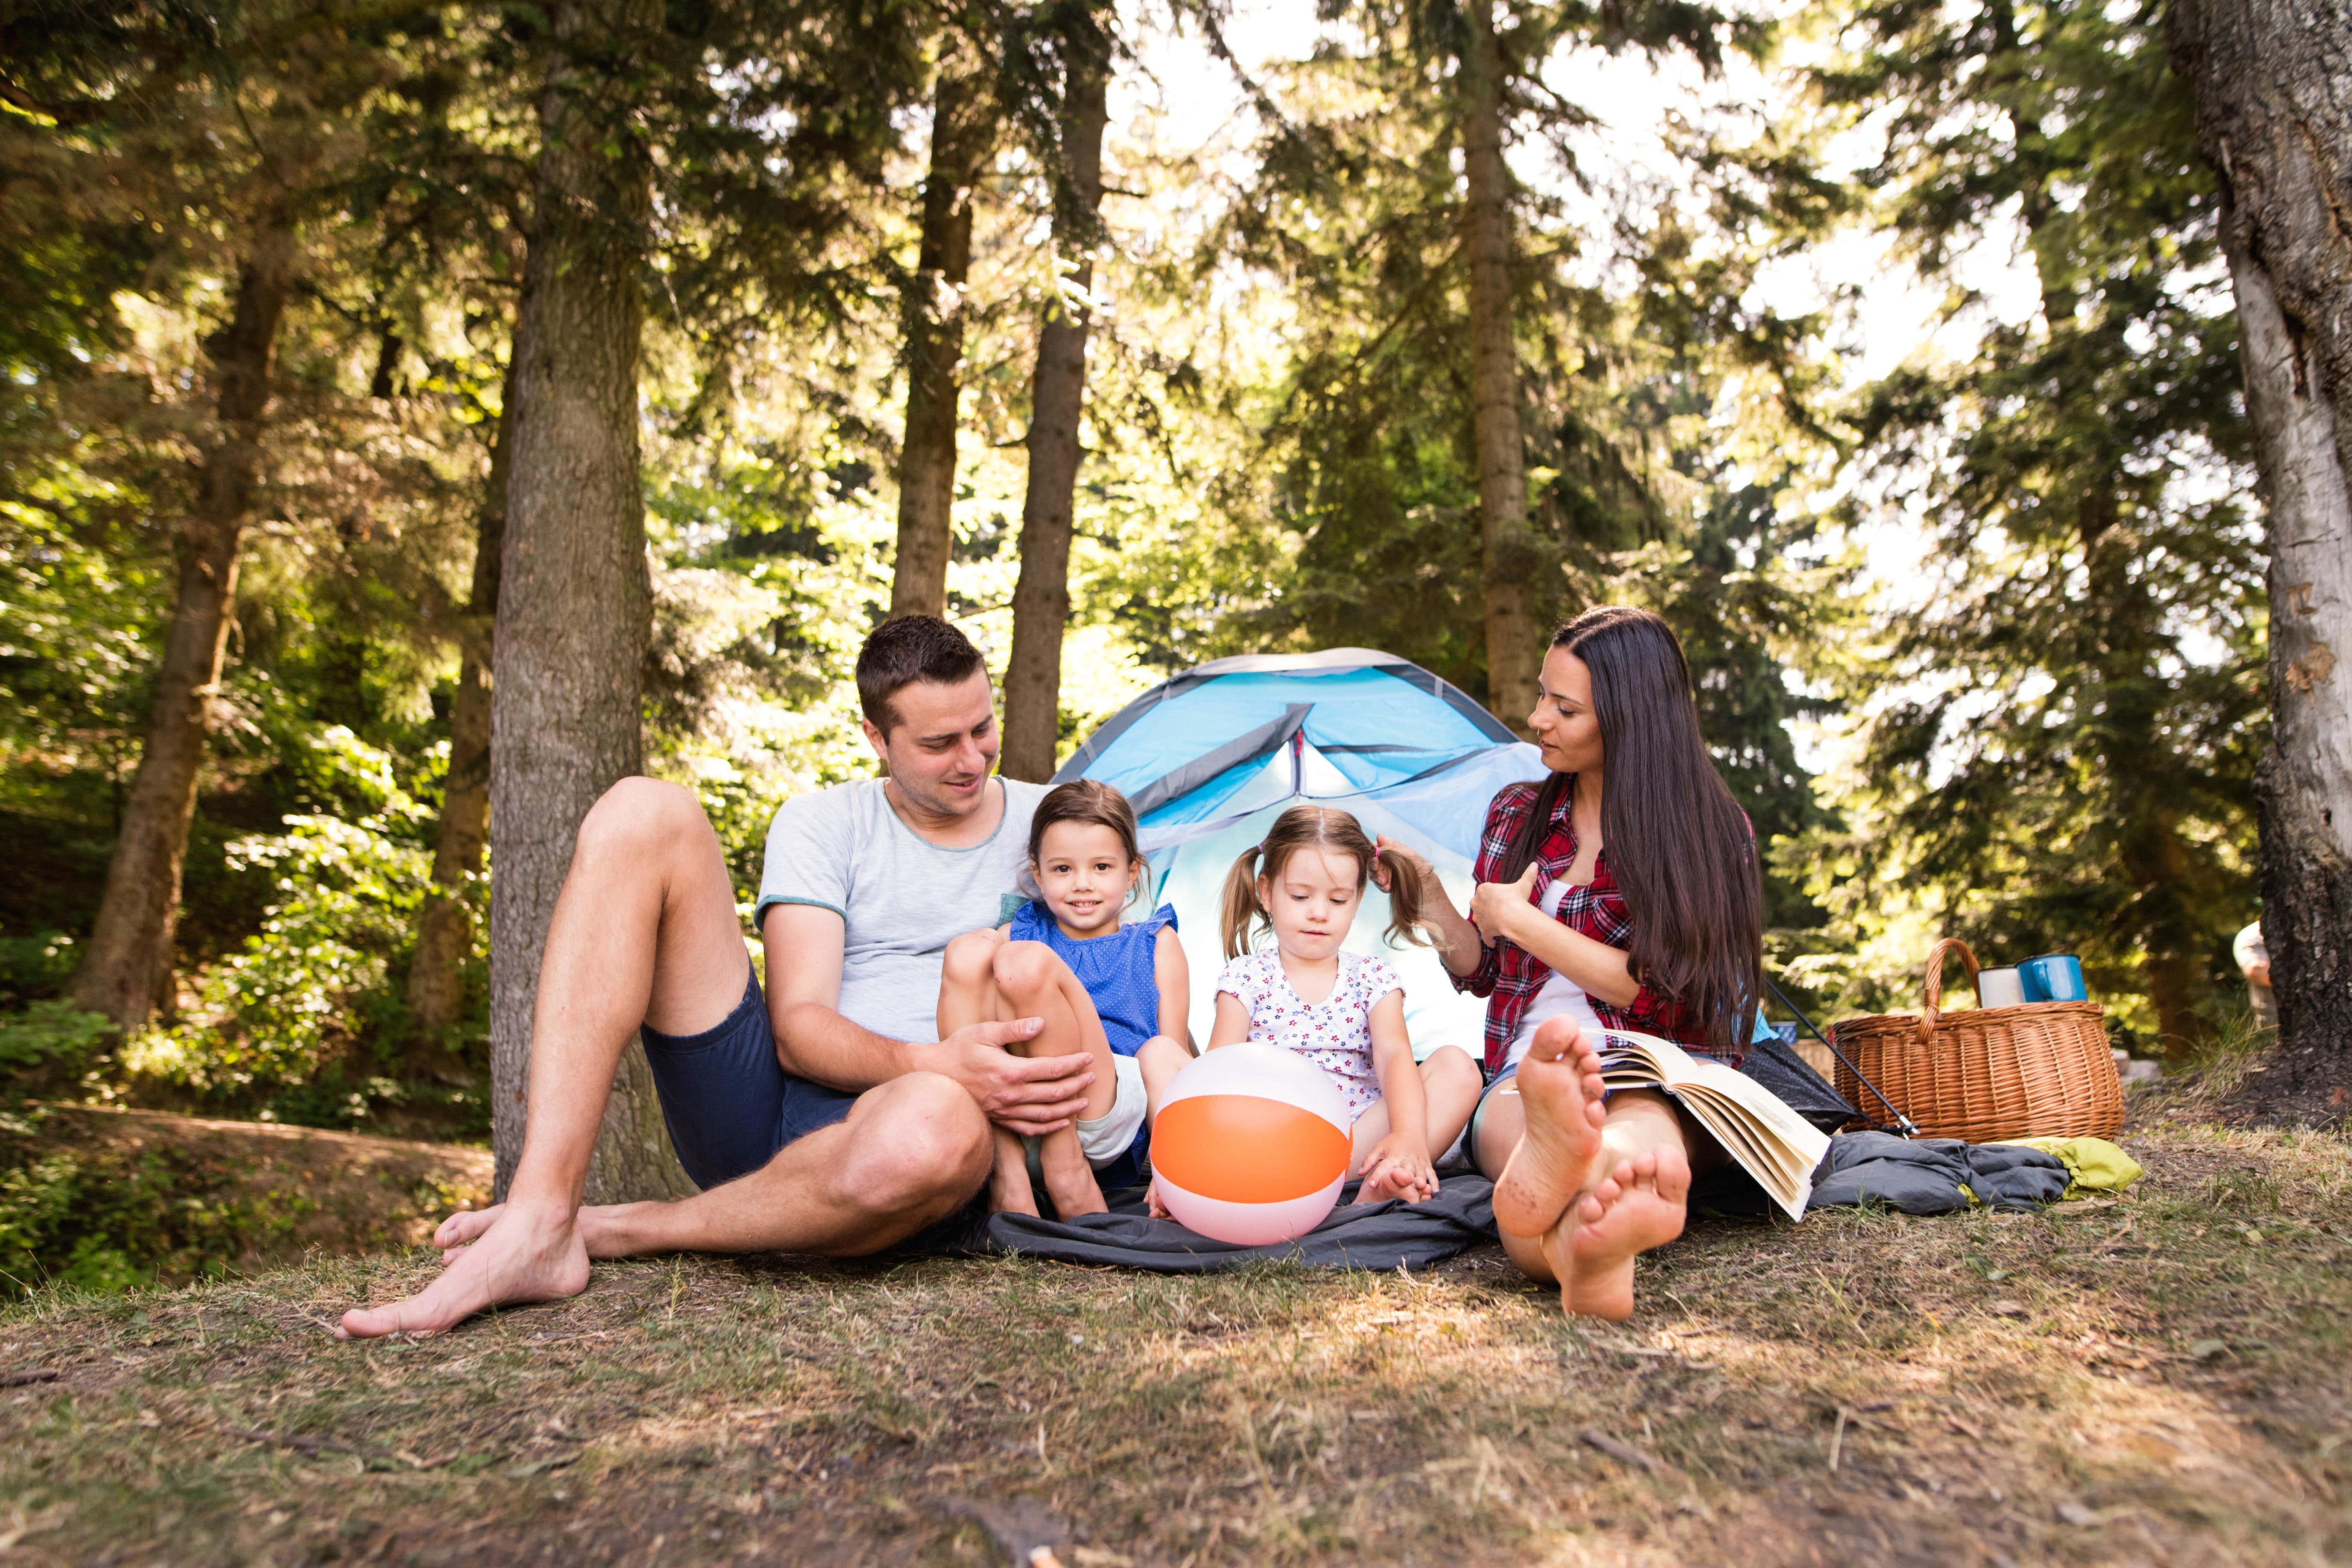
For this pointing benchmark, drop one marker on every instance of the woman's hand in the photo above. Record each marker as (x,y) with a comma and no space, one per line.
(1458,942)
(1386,850)
(1495,905)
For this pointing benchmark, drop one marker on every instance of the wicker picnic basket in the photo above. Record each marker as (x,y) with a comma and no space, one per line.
(2043,1070)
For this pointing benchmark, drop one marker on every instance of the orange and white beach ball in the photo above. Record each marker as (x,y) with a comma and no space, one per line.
(1250,1146)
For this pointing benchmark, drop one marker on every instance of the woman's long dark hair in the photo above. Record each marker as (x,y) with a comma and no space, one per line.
(1678,845)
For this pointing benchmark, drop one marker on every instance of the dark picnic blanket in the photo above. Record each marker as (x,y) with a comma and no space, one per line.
(1385,1236)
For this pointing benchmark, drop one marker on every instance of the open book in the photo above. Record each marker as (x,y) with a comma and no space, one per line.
(1772,1143)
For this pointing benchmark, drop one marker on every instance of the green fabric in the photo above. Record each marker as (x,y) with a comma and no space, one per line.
(2093,1165)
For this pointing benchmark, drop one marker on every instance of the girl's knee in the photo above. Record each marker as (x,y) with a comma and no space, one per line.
(1161,1051)
(1451,1066)
(968,958)
(1026,968)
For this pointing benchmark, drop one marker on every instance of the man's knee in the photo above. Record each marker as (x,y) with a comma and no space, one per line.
(968,958)
(637,816)
(927,1142)
(1026,968)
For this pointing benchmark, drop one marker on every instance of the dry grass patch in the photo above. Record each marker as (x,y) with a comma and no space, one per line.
(2159,1380)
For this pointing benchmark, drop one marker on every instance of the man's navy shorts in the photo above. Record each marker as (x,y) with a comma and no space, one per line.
(729,1102)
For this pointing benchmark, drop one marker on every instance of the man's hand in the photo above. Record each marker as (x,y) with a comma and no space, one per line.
(1032,1096)
(1494,905)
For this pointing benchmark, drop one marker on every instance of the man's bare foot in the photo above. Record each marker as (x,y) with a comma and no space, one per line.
(1008,1180)
(526,1254)
(1640,1204)
(603,1230)
(465,1225)
(1558,1082)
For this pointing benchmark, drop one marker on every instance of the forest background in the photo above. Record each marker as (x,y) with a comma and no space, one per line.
(1886,348)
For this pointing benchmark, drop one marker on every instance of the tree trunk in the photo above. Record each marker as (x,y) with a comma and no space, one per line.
(1514,641)
(444,926)
(1041,598)
(934,311)
(2273,86)
(575,598)
(127,974)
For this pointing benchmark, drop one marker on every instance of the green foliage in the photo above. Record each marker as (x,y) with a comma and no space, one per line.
(305,1020)
(2064,705)
(53,1033)
(103,1221)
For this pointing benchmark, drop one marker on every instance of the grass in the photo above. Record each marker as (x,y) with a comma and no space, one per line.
(2158,1380)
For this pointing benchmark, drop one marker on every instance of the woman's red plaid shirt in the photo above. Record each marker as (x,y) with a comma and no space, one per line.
(1509,975)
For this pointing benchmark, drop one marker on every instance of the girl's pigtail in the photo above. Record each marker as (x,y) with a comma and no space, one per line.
(1242,909)
(1408,899)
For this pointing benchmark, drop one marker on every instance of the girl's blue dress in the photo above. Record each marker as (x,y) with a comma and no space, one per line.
(1116,970)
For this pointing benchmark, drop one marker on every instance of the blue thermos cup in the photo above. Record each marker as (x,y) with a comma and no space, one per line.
(2053,977)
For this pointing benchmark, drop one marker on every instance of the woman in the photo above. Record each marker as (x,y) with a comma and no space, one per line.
(1620,892)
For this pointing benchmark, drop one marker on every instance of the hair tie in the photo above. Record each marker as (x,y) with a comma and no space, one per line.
(1258,848)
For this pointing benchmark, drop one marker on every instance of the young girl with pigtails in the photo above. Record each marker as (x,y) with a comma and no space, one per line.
(1342,1011)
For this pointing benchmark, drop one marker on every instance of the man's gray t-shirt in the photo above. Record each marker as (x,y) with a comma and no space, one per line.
(901,898)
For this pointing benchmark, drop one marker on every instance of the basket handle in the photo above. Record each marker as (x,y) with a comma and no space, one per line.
(1935,956)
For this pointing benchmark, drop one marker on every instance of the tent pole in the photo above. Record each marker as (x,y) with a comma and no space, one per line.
(1903,1124)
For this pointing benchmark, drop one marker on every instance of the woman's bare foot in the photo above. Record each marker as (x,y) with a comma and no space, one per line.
(526,1253)
(1640,1204)
(1559,1088)
(1008,1180)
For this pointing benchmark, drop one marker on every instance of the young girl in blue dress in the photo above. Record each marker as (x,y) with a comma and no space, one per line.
(1113,990)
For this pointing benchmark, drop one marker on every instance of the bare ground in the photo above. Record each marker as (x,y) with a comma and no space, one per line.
(2159,1380)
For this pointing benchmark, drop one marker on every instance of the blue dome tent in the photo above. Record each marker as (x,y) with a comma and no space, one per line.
(1210,758)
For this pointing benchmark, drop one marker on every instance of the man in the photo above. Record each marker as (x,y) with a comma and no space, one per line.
(825,1118)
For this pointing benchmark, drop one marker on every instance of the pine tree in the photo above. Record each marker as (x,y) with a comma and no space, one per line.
(2273,123)
(2068,760)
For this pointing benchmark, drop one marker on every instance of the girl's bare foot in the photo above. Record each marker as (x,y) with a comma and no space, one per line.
(1561,1156)
(1391,1180)
(1008,1181)
(1069,1180)
(1640,1203)
(526,1253)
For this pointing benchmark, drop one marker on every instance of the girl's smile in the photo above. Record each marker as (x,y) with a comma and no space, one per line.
(1085,876)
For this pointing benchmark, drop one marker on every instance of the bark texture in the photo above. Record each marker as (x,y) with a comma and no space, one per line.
(574,597)
(934,312)
(127,972)
(444,926)
(2273,86)
(1041,597)
(1514,642)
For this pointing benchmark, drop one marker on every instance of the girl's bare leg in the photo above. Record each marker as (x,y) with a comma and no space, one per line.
(968,995)
(1161,1059)
(1450,1083)
(1032,979)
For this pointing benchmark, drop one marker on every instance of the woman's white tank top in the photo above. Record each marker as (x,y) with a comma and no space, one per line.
(1560,996)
